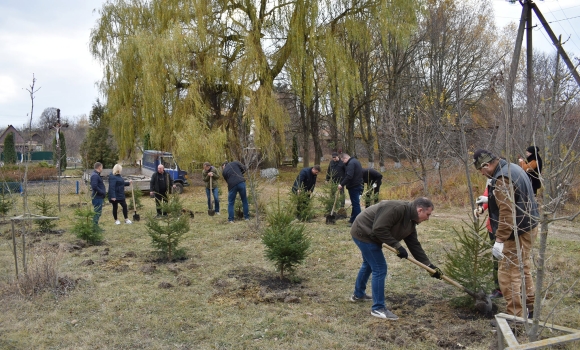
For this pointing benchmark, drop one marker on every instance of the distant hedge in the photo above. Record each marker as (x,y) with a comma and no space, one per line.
(15,173)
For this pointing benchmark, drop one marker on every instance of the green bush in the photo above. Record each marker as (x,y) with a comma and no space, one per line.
(286,243)
(302,205)
(46,208)
(470,262)
(166,232)
(84,228)
(6,201)
(328,196)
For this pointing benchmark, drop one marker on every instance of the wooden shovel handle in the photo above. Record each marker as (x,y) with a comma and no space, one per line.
(420,264)
(334,204)
(133,195)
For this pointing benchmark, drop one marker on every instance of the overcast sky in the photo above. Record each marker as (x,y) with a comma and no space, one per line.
(49,38)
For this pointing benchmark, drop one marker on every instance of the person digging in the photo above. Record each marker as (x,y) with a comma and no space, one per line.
(387,222)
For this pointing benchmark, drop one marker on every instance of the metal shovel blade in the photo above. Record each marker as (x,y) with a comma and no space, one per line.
(211,212)
(136,216)
(331,219)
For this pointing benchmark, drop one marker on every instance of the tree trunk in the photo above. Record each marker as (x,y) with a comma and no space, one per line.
(315,128)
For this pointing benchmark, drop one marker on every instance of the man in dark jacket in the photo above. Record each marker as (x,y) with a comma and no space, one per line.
(233,173)
(507,178)
(160,186)
(373,179)
(210,172)
(387,222)
(305,181)
(335,173)
(353,182)
(98,191)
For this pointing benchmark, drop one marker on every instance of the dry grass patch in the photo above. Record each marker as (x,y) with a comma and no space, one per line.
(225,295)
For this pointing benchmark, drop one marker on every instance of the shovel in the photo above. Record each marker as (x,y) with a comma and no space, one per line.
(331,219)
(210,211)
(136,217)
(483,302)
(342,211)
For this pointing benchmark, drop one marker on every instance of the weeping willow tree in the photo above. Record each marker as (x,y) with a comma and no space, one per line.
(198,76)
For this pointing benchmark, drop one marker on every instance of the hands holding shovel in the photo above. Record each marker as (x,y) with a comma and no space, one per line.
(433,270)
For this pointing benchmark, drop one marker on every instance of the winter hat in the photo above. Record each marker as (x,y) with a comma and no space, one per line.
(334,154)
(482,156)
(533,149)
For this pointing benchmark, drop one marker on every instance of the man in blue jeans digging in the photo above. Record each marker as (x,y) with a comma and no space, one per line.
(387,222)
(233,173)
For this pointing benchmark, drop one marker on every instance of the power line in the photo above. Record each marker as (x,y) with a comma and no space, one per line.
(573,29)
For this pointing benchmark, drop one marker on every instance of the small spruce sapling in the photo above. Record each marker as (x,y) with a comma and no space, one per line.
(46,208)
(328,196)
(138,195)
(84,227)
(285,241)
(6,201)
(470,262)
(303,206)
(166,232)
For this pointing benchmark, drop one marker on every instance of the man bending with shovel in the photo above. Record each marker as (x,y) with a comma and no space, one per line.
(387,222)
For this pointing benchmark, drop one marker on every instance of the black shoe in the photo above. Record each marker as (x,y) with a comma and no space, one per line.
(365,297)
(496,294)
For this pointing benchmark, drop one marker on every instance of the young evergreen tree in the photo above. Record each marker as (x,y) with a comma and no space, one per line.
(303,205)
(9,149)
(294,151)
(98,146)
(166,233)
(137,194)
(46,208)
(84,228)
(6,201)
(469,262)
(285,241)
(328,196)
(55,153)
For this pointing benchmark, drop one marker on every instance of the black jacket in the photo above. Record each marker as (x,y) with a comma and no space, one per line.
(534,174)
(353,174)
(154,184)
(306,180)
(97,185)
(371,176)
(335,171)
(117,187)
(233,173)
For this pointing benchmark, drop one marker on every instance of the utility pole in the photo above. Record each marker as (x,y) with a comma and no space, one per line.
(57,126)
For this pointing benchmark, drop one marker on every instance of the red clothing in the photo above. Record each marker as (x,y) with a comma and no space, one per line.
(485,205)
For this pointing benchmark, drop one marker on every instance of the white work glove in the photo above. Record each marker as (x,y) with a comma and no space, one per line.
(481,200)
(497,250)
(478,211)
(374,185)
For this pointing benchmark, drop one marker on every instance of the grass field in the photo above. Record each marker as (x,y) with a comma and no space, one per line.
(226,295)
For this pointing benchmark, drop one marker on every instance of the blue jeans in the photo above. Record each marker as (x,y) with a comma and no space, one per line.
(98,205)
(373,262)
(215,198)
(354,194)
(241,189)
